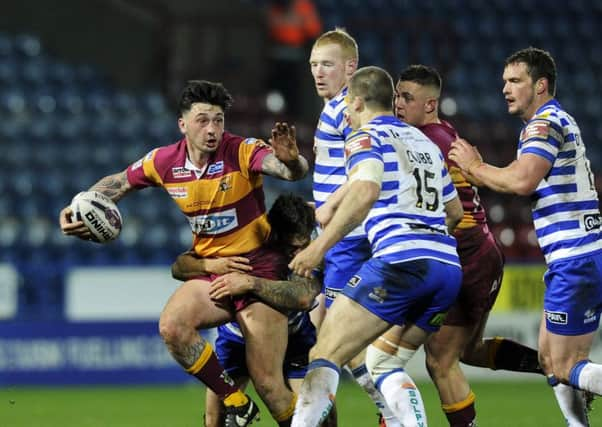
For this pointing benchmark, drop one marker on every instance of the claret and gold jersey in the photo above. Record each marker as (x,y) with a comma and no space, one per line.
(224,202)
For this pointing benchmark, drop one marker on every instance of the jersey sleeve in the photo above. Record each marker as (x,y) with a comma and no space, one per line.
(359,147)
(143,173)
(251,153)
(542,136)
(449,190)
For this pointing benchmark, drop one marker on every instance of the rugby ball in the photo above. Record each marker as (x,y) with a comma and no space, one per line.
(99,213)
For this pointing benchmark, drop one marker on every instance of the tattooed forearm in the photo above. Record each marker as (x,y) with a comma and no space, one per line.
(290,171)
(297,293)
(113,186)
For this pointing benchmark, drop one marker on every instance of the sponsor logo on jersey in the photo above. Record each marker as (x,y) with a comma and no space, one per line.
(354,281)
(591,221)
(557,317)
(589,316)
(136,164)
(536,129)
(331,293)
(216,167)
(178,192)
(437,319)
(225,183)
(250,141)
(181,172)
(215,223)
(378,294)
(357,144)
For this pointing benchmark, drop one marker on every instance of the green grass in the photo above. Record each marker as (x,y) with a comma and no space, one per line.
(499,404)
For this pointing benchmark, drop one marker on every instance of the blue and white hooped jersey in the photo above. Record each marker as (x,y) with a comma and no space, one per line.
(565,208)
(329,148)
(408,220)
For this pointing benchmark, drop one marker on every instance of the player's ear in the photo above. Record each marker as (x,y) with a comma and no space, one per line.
(350,67)
(541,86)
(431,105)
(182,125)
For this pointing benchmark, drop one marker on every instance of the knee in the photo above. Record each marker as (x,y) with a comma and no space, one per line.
(471,353)
(171,328)
(438,365)
(545,362)
(379,362)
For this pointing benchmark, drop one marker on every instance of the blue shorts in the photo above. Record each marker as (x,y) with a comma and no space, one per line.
(340,263)
(573,297)
(230,349)
(418,291)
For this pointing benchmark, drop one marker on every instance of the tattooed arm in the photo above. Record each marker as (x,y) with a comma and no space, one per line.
(113,186)
(297,293)
(284,162)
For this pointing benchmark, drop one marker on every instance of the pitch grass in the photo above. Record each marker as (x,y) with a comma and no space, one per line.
(500,404)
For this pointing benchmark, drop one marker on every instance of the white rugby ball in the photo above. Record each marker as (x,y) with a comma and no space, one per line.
(99,213)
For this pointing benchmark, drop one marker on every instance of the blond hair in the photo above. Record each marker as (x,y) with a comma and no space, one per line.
(340,37)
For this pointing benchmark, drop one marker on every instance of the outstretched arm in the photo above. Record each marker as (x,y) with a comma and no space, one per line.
(520,177)
(297,293)
(284,162)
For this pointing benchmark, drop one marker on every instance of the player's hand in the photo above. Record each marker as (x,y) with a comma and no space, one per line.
(324,214)
(284,142)
(226,265)
(306,261)
(229,285)
(465,155)
(69,227)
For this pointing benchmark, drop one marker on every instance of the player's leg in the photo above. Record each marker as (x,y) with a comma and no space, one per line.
(462,329)
(359,371)
(572,303)
(266,336)
(214,408)
(386,360)
(480,288)
(318,313)
(417,282)
(443,350)
(500,353)
(341,263)
(572,402)
(297,359)
(335,347)
(188,309)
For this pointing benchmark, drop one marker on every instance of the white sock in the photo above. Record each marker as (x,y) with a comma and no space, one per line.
(587,376)
(364,379)
(403,398)
(317,393)
(572,405)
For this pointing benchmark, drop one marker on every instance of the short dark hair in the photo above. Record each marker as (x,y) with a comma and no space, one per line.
(540,64)
(290,216)
(374,85)
(206,92)
(422,75)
